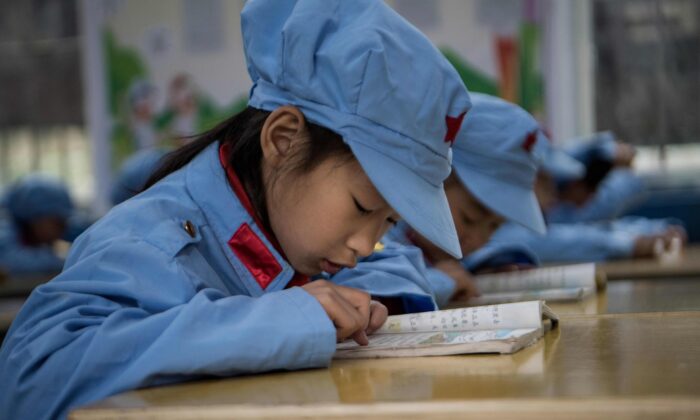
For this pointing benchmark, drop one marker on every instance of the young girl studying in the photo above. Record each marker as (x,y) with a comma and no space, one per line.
(351,117)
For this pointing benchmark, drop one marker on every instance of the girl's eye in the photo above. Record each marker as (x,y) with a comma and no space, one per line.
(392,221)
(361,209)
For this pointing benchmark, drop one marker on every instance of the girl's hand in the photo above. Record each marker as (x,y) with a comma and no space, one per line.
(377,316)
(348,308)
(465,288)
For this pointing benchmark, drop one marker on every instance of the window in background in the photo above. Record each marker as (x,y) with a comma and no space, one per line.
(41,98)
(648,78)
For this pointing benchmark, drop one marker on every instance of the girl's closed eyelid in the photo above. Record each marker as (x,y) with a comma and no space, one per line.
(361,208)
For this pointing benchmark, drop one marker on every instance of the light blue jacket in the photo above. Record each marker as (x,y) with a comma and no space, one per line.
(620,190)
(141,302)
(430,280)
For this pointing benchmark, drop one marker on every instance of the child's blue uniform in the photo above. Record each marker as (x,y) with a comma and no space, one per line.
(581,242)
(29,199)
(434,281)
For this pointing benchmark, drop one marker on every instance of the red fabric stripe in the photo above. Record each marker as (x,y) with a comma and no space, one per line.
(254,254)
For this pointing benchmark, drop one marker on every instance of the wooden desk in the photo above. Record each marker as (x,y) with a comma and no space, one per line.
(623,365)
(689,265)
(629,296)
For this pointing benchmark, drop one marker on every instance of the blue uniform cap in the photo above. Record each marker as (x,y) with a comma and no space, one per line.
(494,159)
(361,70)
(600,145)
(134,174)
(37,196)
(557,163)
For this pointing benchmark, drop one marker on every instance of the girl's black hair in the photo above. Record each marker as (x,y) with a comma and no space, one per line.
(242,132)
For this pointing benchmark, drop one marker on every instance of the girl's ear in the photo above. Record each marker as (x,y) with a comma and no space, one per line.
(282,130)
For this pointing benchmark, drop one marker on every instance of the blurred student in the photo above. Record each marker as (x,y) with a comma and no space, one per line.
(141,107)
(207,271)
(135,172)
(38,213)
(587,241)
(608,187)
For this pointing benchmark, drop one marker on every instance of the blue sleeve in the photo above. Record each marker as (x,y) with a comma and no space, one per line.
(571,242)
(396,271)
(494,255)
(17,259)
(619,191)
(442,285)
(104,326)
(637,225)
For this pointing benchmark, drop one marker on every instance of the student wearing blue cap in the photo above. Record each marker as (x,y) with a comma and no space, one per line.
(583,242)
(350,119)
(134,173)
(605,190)
(494,163)
(37,214)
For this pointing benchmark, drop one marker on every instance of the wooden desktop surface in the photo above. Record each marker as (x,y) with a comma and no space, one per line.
(642,295)
(688,265)
(627,365)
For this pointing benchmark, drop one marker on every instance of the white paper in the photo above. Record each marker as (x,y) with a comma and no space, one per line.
(558,277)
(548,295)
(506,316)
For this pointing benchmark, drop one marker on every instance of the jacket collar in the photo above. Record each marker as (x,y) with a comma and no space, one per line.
(260,266)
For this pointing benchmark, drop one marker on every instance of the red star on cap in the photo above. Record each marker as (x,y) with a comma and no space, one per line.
(530,141)
(453,124)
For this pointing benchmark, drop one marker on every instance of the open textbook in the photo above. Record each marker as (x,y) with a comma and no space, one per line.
(551,284)
(503,328)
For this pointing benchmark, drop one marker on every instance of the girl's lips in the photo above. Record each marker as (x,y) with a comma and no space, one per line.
(329,267)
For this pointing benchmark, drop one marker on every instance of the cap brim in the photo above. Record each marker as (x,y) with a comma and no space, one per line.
(513,202)
(422,205)
(562,166)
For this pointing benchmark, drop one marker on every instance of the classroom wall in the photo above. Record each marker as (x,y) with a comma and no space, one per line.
(498,48)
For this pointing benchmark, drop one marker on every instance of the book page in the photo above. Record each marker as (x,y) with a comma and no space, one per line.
(557,277)
(492,317)
(548,295)
(431,338)
(439,343)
